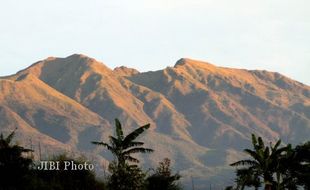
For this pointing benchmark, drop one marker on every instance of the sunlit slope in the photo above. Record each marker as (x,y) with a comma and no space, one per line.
(201,115)
(34,108)
(224,106)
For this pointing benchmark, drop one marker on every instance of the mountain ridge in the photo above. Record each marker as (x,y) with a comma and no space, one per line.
(201,115)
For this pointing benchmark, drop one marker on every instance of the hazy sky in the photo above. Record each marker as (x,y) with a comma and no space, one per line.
(152,34)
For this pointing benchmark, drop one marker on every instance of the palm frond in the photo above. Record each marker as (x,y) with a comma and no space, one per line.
(244,163)
(278,152)
(119,130)
(138,150)
(254,140)
(9,138)
(21,149)
(135,143)
(261,142)
(116,142)
(266,152)
(103,144)
(133,135)
(131,159)
(253,154)
(275,147)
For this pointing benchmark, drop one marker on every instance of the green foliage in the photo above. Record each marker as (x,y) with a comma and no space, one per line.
(14,166)
(277,167)
(294,168)
(247,178)
(123,175)
(19,172)
(123,147)
(64,179)
(162,178)
(263,163)
(301,166)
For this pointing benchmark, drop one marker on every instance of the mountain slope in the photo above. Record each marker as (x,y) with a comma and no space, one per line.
(38,111)
(26,134)
(92,84)
(201,115)
(229,104)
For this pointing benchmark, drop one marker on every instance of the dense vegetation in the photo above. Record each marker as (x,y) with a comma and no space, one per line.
(14,168)
(19,171)
(272,167)
(162,178)
(128,176)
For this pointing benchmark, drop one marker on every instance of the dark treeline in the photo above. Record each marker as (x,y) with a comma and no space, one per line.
(272,167)
(19,171)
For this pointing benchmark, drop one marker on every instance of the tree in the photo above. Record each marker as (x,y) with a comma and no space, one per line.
(264,162)
(14,166)
(126,177)
(297,172)
(122,147)
(301,168)
(247,178)
(162,178)
(74,179)
(19,172)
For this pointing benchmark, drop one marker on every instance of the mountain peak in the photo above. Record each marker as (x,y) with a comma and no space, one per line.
(125,71)
(78,55)
(193,63)
(85,62)
(181,61)
(75,57)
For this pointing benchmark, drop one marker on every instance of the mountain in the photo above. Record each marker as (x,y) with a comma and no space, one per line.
(42,114)
(229,104)
(201,115)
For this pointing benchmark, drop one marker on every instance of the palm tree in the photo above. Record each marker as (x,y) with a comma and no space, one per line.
(264,162)
(125,176)
(122,147)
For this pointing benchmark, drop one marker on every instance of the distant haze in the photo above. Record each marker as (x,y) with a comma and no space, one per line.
(153,34)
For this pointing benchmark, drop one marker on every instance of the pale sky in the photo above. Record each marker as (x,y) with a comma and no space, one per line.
(153,34)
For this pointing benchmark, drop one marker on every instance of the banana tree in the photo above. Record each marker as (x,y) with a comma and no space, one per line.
(122,147)
(264,160)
